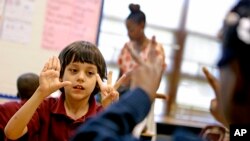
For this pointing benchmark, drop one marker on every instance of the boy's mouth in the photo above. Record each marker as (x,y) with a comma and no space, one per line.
(78,87)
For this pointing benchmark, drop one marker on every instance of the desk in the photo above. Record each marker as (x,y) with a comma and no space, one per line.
(169,126)
(193,120)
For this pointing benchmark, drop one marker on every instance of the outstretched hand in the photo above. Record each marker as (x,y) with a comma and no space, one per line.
(147,75)
(49,77)
(109,93)
(214,103)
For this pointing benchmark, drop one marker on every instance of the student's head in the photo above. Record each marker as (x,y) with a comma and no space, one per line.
(27,84)
(80,61)
(234,65)
(135,22)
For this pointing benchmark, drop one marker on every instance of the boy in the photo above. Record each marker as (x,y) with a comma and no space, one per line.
(117,122)
(75,73)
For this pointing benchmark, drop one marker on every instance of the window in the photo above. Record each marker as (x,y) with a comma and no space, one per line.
(204,20)
(113,33)
(206,16)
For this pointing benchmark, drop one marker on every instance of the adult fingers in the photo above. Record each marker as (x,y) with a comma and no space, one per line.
(153,53)
(213,82)
(209,76)
(153,42)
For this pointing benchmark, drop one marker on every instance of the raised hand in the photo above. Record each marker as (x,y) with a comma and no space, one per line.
(49,77)
(147,75)
(214,103)
(109,93)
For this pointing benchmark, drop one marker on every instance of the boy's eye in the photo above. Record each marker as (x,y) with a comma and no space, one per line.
(73,70)
(91,73)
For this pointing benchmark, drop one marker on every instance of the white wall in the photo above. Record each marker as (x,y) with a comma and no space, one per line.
(19,58)
(22,25)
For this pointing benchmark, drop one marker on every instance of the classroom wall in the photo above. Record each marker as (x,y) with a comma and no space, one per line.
(18,58)
(22,51)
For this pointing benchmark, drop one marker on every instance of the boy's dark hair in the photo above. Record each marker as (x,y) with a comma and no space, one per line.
(26,85)
(84,52)
(136,14)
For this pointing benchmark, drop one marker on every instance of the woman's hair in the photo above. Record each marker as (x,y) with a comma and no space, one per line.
(136,14)
(84,52)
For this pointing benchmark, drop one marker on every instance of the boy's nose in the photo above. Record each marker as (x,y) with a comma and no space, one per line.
(81,77)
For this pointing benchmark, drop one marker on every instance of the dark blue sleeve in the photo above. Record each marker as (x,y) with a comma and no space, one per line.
(117,121)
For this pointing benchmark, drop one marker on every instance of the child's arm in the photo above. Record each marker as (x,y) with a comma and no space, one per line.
(48,83)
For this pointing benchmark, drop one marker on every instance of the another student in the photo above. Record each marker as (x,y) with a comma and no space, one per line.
(233,98)
(75,73)
(27,84)
(231,105)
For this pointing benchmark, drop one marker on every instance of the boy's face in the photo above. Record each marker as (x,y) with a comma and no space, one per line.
(83,78)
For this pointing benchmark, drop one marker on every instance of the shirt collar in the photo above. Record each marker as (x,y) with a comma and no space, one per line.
(59,109)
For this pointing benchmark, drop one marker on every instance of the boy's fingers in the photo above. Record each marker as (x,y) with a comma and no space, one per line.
(109,79)
(65,83)
(58,65)
(54,62)
(120,81)
(99,81)
(50,63)
(45,67)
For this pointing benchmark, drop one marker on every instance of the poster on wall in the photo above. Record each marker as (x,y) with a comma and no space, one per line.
(17,16)
(67,21)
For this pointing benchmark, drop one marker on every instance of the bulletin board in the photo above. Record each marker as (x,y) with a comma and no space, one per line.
(67,21)
(31,31)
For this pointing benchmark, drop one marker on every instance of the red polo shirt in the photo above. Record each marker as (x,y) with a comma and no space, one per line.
(51,122)
(7,110)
